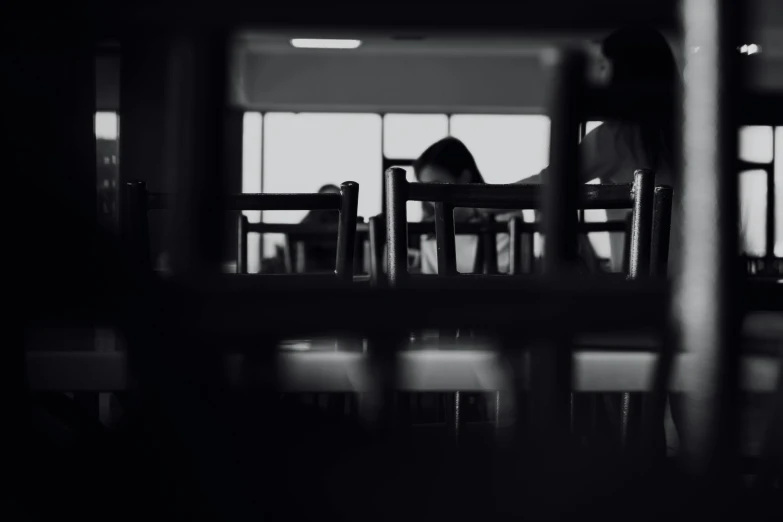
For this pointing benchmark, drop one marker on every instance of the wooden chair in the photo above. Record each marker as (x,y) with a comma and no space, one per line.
(296,237)
(137,202)
(639,197)
(486,261)
(522,235)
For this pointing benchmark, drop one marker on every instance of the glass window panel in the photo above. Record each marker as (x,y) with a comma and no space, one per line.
(753,211)
(106,125)
(507,148)
(755,143)
(599,240)
(406,136)
(304,151)
(252,150)
(590,125)
(779,192)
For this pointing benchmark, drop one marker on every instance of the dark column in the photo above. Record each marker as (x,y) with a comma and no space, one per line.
(142,78)
(196,88)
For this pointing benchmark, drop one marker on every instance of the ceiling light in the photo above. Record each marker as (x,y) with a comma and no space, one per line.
(325,43)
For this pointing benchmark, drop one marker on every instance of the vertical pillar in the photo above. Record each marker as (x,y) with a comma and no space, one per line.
(705,306)
(196,98)
(551,364)
(232,165)
(142,76)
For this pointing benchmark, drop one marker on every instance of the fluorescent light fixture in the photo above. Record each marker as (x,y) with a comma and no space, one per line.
(325,43)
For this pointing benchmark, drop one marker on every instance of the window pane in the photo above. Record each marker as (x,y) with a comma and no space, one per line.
(507,148)
(753,211)
(755,144)
(779,192)
(252,136)
(406,136)
(599,240)
(107,168)
(304,151)
(590,125)
(106,125)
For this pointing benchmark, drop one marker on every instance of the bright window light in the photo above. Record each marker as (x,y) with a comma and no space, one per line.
(325,43)
(106,125)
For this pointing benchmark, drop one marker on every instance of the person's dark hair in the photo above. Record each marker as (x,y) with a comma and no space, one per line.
(449,154)
(329,189)
(323,217)
(641,56)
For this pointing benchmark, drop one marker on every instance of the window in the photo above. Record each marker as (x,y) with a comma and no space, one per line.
(305,151)
(107,130)
(507,148)
(406,136)
(590,125)
(599,240)
(753,211)
(107,125)
(757,144)
(779,192)
(252,150)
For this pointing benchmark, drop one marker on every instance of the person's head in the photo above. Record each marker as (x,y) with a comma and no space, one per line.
(639,55)
(324,216)
(447,161)
(329,189)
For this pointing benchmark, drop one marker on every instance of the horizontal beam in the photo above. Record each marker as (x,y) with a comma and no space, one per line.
(422,371)
(608,103)
(301,229)
(161,201)
(230,306)
(555,15)
(517,196)
(423,227)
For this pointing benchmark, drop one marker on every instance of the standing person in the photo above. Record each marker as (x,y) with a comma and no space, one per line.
(633,57)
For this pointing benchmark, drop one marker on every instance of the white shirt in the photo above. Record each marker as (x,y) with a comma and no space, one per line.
(465,246)
(612,152)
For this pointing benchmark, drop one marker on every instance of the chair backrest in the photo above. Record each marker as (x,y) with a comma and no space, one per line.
(522,235)
(297,235)
(486,261)
(445,197)
(137,202)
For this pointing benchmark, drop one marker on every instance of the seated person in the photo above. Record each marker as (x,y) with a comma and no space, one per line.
(450,161)
(320,254)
